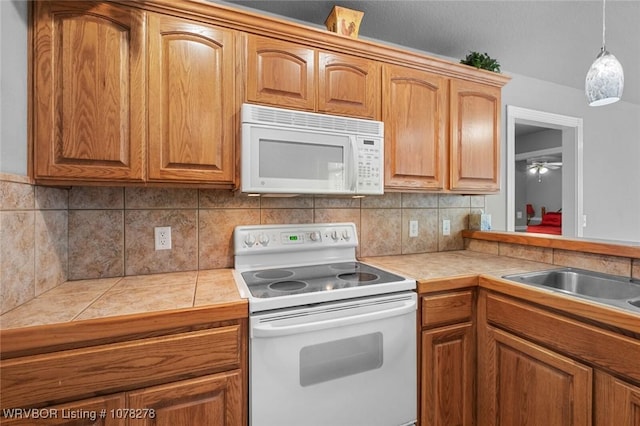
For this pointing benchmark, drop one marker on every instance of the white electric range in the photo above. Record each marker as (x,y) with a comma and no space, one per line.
(332,340)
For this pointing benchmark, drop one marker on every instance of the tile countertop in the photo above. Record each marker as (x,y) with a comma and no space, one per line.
(429,267)
(446,271)
(111,297)
(184,292)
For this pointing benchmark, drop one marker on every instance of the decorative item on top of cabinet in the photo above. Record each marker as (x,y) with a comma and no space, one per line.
(89,91)
(191,101)
(415,116)
(344,21)
(475,137)
(290,75)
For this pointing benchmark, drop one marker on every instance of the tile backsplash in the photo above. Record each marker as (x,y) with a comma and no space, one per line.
(50,235)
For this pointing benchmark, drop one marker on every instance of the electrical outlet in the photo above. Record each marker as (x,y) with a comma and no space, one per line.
(446,227)
(518,215)
(413,228)
(163,237)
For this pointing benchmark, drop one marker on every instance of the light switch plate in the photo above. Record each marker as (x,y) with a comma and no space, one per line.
(413,228)
(446,227)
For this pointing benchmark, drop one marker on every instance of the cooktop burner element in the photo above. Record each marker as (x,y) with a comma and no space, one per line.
(288,286)
(285,266)
(358,276)
(314,278)
(273,274)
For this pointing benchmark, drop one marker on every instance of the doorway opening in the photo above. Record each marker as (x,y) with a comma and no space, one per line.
(568,152)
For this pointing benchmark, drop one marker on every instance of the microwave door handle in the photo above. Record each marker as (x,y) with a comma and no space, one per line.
(352,165)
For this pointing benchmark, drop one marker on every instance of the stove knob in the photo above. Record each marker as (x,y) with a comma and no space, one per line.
(249,240)
(334,235)
(263,239)
(315,236)
(345,235)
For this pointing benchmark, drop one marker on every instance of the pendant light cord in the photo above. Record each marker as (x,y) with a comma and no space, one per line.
(603,25)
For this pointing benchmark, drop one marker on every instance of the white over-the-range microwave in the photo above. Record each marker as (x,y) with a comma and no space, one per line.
(293,152)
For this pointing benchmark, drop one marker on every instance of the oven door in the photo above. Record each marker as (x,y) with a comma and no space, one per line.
(282,160)
(346,363)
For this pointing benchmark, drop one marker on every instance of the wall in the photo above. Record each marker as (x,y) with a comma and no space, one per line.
(50,235)
(33,232)
(13,87)
(544,139)
(611,156)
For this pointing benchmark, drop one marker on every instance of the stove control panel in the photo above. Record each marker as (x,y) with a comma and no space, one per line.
(265,238)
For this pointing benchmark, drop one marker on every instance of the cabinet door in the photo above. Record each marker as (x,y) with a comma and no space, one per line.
(348,85)
(214,400)
(89,82)
(191,101)
(616,403)
(475,137)
(280,73)
(523,383)
(415,116)
(101,411)
(448,376)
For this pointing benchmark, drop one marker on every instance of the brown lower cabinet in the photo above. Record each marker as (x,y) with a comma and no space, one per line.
(181,379)
(524,383)
(77,413)
(537,366)
(447,370)
(210,400)
(619,402)
(487,358)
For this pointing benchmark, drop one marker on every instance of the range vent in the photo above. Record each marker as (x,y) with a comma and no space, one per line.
(308,120)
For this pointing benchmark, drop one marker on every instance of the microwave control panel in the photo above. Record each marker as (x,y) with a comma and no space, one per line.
(370,158)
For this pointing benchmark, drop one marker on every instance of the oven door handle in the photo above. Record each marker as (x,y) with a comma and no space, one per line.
(271,329)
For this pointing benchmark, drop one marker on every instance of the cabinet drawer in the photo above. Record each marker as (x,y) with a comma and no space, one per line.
(120,366)
(449,308)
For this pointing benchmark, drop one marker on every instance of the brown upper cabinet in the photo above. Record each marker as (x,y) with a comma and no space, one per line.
(475,137)
(89,91)
(348,85)
(440,133)
(191,101)
(289,75)
(415,118)
(141,93)
(280,73)
(114,83)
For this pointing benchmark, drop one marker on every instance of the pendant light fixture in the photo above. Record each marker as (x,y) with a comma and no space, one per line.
(605,78)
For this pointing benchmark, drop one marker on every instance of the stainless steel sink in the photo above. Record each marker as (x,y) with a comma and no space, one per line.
(608,289)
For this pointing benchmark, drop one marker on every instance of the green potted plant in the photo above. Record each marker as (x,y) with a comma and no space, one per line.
(482,61)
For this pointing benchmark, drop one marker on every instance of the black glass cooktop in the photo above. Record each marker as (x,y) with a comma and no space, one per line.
(269,283)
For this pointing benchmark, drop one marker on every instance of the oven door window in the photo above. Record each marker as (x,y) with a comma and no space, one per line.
(297,160)
(340,358)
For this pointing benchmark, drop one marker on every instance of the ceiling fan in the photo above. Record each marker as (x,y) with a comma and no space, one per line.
(542,167)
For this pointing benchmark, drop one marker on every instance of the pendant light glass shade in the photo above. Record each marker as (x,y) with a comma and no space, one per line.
(605,80)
